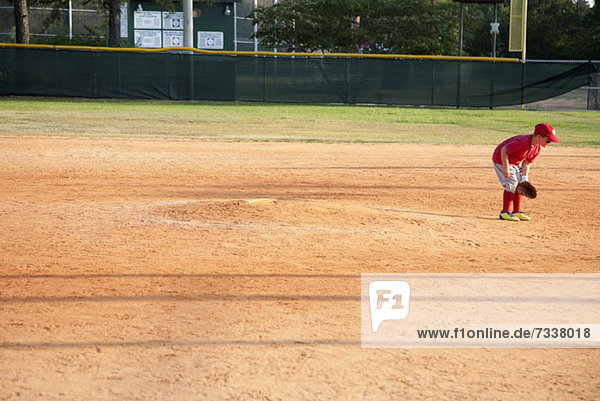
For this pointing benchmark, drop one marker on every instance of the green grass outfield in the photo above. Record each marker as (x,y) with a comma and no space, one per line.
(284,122)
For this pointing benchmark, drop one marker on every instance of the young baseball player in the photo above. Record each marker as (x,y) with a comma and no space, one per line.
(512,159)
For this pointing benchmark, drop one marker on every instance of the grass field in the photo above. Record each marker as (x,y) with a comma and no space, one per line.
(278,122)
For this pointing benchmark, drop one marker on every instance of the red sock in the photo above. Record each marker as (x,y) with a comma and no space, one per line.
(507,198)
(517,202)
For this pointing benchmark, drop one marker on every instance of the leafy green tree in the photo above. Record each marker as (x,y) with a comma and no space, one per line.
(371,26)
(591,37)
(409,26)
(554,28)
(557,29)
(307,25)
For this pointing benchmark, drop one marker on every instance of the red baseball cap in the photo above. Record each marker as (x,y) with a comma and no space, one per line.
(545,129)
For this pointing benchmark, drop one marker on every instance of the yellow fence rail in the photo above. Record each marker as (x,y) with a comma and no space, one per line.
(265,53)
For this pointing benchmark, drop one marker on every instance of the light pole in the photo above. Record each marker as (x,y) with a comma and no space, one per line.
(188,24)
(495,29)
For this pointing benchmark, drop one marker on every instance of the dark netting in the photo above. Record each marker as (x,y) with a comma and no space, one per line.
(182,76)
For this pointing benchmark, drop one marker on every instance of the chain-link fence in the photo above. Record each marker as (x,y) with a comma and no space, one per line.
(244,28)
(81,23)
(87,25)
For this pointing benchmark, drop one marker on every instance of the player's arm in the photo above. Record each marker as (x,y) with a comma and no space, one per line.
(525,170)
(505,165)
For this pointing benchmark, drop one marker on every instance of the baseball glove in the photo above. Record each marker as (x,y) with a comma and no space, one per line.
(527,189)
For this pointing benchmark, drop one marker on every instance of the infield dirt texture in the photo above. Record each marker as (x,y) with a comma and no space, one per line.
(136,270)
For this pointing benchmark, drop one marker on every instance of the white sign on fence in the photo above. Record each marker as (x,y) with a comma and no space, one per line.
(124,20)
(210,40)
(172,20)
(147,20)
(148,38)
(172,38)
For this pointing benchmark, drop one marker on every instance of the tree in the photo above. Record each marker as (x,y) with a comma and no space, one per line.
(553,28)
(370,26)
(114,22)
(409,26)
(307,25)
(592,32)
(556,29)
(113,10)
(22,21)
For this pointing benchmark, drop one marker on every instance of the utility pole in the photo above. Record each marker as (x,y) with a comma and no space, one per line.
(460,33)
(495,29)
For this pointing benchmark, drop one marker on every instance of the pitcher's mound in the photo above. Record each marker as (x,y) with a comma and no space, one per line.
(261,201)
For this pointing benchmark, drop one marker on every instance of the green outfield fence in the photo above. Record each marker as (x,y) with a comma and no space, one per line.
(191,74)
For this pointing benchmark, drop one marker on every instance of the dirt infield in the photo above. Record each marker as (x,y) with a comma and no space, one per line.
(136,269)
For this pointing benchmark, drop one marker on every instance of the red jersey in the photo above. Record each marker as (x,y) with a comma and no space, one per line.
(518,148)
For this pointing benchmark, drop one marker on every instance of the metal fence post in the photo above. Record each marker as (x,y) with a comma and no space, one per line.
(432,82)
(458,83)
(264,79)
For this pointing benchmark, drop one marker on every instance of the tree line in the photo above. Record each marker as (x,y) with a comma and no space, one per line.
(556,29)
